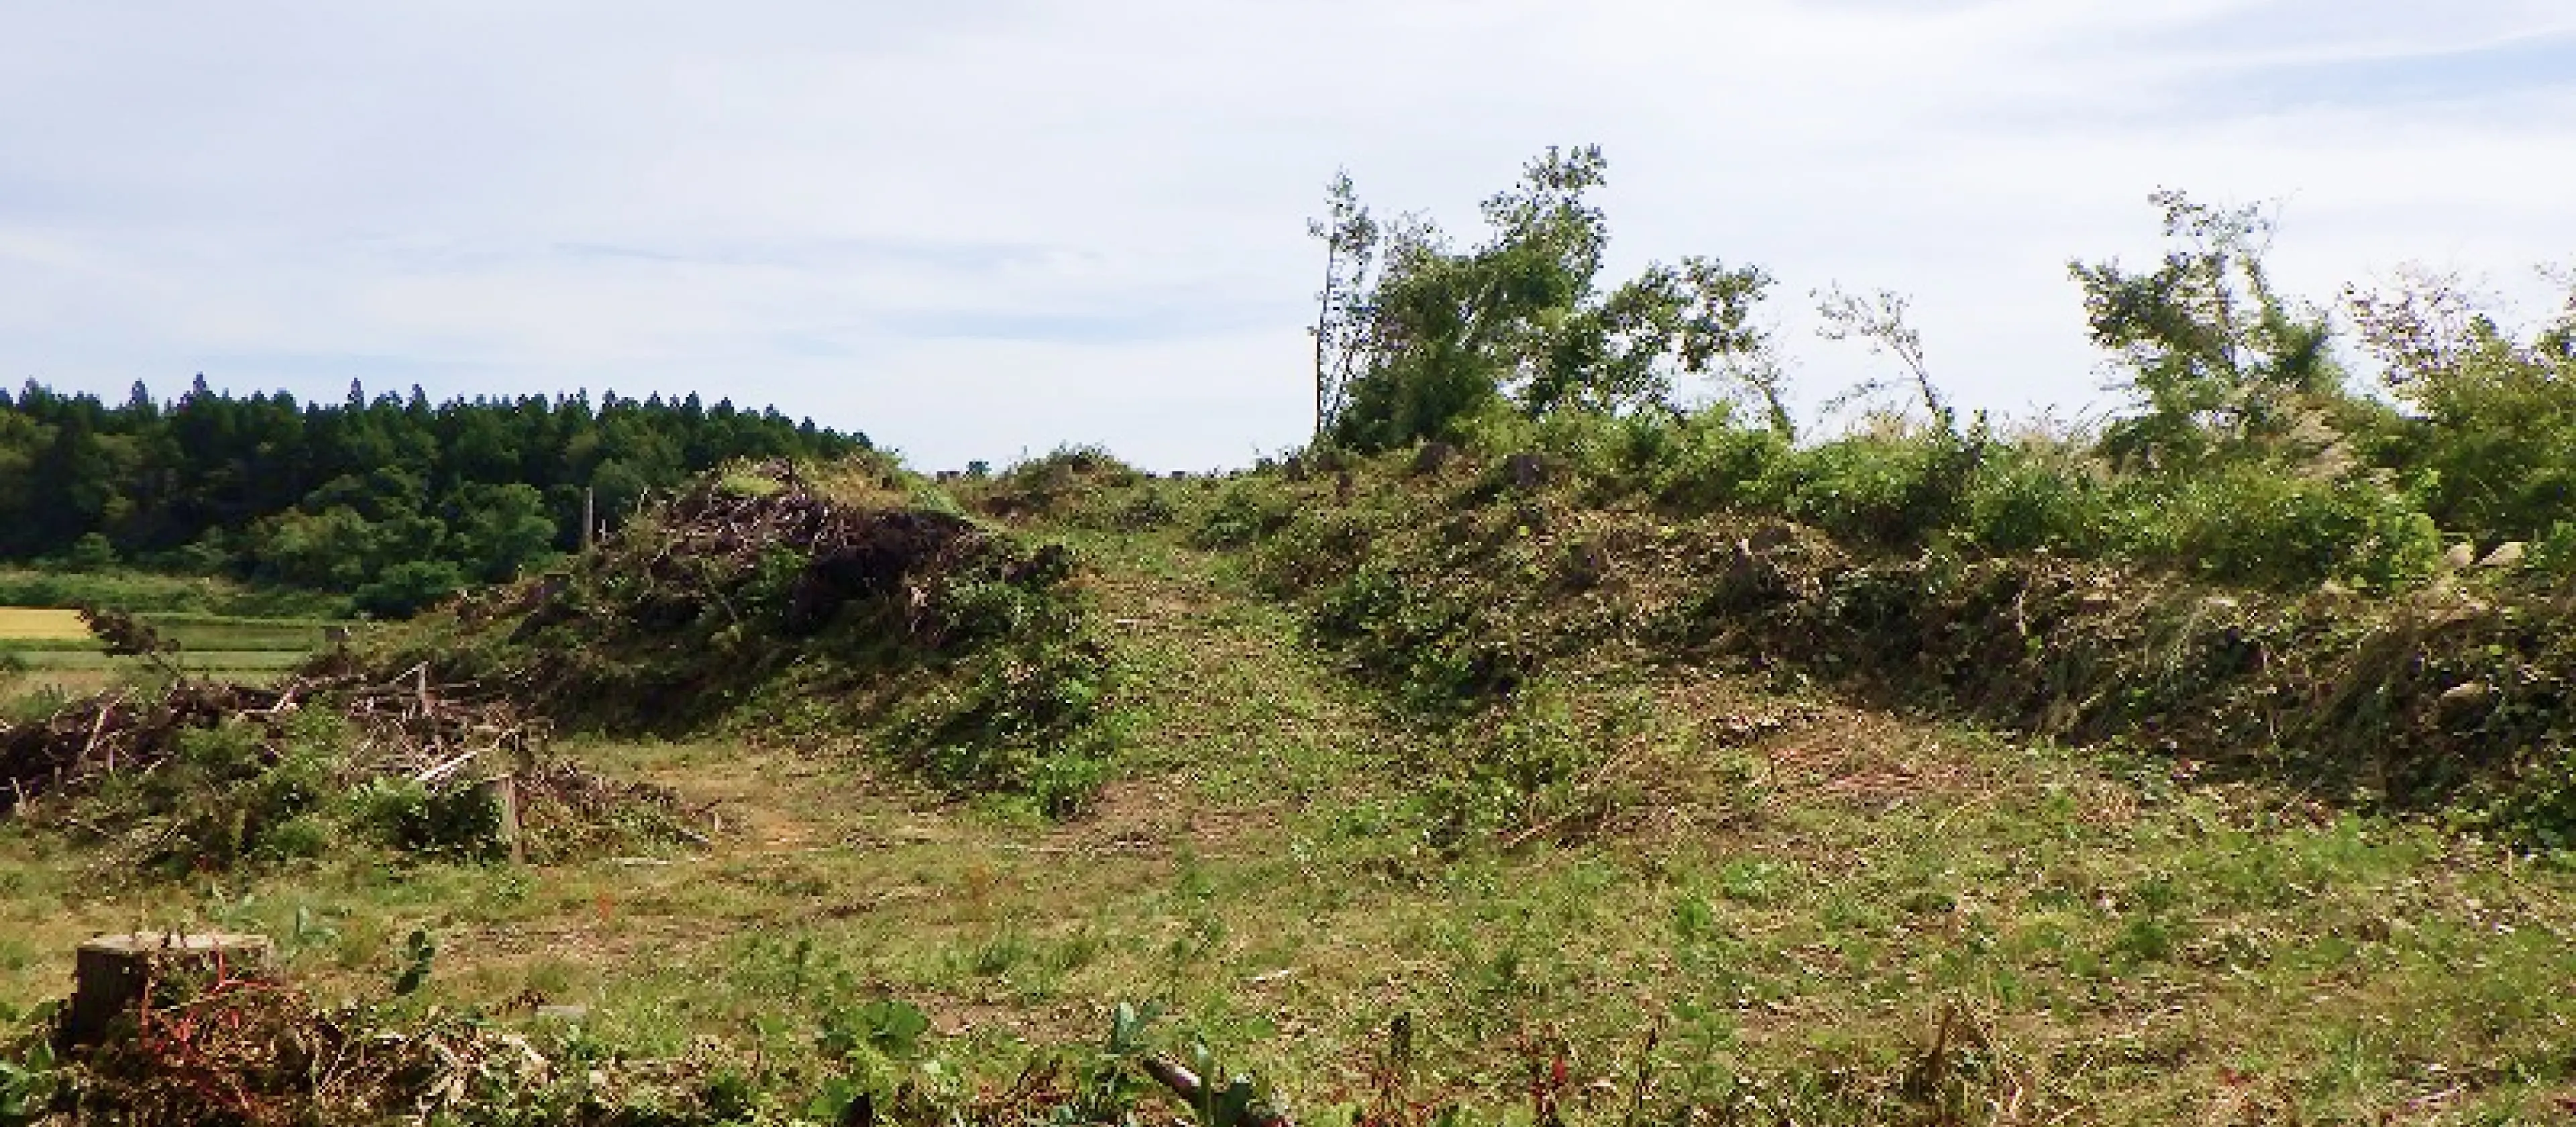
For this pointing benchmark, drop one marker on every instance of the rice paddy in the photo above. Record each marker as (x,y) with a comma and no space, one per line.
(45,649)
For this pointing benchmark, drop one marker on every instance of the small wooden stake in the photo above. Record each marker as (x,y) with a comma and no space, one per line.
(503,793)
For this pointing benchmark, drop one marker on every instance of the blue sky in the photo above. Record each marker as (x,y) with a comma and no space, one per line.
(981,229)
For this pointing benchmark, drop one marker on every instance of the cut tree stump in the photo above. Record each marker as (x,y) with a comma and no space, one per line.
(110,972)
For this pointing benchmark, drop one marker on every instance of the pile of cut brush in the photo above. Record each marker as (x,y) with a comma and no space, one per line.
(2458,696)
(252,1048)
(407,727)
(735,525)
(204,776)
(823,602)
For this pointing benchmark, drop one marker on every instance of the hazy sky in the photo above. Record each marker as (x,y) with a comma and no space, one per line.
(974,229)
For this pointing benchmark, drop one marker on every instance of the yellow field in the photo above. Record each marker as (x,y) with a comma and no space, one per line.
(41,625)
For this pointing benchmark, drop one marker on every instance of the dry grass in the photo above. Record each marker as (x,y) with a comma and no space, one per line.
(35,624)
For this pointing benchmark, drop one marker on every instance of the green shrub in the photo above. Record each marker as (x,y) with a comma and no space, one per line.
(1892,491)
(406,588)
(1435,650)
(1067,465)
(1705,462)
(1245,512)
(1321,547)
(1019,714)
(139,592)
(303,837)
(1147,509)
(2021,499)
(2555,553)
(2255,524)
(91,552)
(404,815)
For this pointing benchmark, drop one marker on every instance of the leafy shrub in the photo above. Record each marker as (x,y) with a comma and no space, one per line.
(30,1079)
(2252,524)
(2023,499)
(1437,651)
(1244,513)
(91,552)
(1148,509)
(401,814)
(1891,490)
(1066,465)
(1520,769)
(135,592)
(1705,462)
(1320,548)
(1020,717)
(1044,486)
(2555,552)
(2491,446)
(404,589)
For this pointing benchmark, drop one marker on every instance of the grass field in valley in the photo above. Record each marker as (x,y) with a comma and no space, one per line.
(1818,913)
(34,625)
(51,648)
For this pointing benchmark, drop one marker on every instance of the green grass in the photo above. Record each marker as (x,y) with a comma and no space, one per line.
(1795,902)
(143,591)
(213,632)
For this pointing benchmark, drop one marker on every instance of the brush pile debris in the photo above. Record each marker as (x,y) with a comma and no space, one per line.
(2461,693)
(820,603)
(438,735)
(252,1049)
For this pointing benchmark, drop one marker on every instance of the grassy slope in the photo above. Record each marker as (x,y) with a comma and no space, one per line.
(1811,888)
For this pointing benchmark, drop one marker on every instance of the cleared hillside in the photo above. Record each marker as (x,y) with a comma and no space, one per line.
(1456,792)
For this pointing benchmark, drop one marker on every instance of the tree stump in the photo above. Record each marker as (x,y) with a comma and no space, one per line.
(111,972)
(1526,470)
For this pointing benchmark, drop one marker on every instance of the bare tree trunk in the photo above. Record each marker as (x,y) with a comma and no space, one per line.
(1323,325)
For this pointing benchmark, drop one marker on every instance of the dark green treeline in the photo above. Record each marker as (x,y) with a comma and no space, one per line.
(393,500)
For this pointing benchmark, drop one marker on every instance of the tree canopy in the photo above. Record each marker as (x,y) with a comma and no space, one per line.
(1437,333)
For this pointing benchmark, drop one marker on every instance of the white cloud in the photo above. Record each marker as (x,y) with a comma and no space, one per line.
(974,228)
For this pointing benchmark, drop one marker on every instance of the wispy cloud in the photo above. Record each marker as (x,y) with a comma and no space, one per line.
(974,227)
(2477,73)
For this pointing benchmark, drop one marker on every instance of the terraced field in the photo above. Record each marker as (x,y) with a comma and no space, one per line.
(45,649)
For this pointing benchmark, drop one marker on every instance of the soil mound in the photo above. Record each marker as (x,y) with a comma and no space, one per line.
(778,600)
